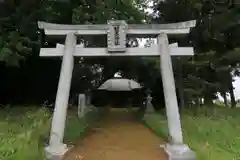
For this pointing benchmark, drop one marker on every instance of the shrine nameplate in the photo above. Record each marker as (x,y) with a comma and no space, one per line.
(116,36)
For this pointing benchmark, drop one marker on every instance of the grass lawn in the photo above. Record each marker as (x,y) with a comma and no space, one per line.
(24,131)
(212,137)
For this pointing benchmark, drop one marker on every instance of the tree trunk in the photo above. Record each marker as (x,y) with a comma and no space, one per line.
(231,90)
(201,101)
(181,97)
(224,95)
(198,102)
(180,87)
(232,96)
(208,99)
(196,106)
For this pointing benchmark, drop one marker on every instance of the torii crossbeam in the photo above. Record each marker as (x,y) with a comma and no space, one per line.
(116,32)
(90,52)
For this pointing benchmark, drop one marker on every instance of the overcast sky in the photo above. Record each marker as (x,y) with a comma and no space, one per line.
(237,87)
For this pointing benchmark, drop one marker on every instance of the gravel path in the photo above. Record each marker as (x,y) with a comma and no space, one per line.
(118,137)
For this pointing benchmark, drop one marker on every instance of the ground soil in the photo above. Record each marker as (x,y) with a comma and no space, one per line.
(118,136)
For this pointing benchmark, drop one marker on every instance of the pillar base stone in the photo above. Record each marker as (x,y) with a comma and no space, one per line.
(56,152)
(179,152)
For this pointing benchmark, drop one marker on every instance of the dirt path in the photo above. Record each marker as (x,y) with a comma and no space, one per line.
(118,137)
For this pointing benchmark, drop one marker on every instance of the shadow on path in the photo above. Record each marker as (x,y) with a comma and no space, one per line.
(118,136)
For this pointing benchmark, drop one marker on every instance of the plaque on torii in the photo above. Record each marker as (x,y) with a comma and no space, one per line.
(116,36)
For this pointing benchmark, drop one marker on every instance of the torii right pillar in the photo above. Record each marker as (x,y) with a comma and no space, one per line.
(176,149)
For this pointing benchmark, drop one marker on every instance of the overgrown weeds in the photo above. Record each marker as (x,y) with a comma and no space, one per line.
(212,136)
(24,131)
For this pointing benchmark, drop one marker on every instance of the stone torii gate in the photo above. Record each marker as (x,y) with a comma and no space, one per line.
(116,31)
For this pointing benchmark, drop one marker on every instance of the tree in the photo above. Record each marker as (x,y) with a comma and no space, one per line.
(215,43)
(21,41)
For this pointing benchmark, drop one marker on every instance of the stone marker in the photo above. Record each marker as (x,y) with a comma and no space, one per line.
(149,106)
(81,105)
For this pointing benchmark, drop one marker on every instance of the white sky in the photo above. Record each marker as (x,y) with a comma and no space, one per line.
(236,84)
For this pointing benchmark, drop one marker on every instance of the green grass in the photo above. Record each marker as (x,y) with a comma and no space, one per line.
(77,128)
(212,137)
(20,130)
(24,129)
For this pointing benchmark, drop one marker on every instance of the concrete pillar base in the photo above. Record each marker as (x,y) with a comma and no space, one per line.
(56,152)
(179,152)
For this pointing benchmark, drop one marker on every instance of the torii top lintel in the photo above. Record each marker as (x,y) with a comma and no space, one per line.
(117,30)
(98,29)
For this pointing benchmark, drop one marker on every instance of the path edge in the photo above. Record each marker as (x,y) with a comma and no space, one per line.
(89,124)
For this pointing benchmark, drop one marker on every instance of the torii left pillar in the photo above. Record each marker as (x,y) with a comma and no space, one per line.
(57,148)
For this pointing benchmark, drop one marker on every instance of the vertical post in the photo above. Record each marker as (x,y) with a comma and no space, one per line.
(173,117)
(88,97)
(83,102)
(88,101)
(81,105)
(176,149)
(56,146)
